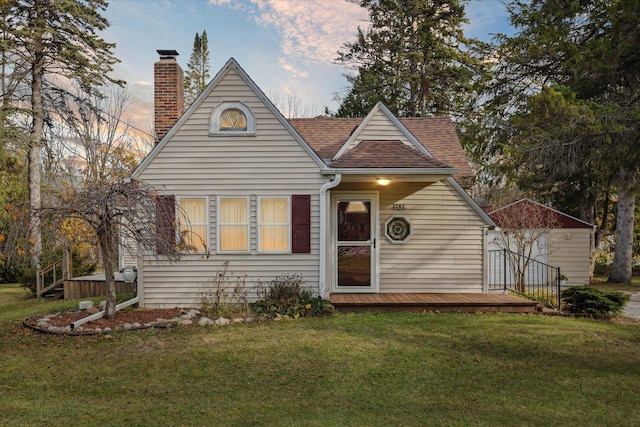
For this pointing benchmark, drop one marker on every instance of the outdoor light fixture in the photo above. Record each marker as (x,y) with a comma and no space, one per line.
(383,181)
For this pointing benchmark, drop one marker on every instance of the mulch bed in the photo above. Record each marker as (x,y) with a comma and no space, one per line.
(158,317)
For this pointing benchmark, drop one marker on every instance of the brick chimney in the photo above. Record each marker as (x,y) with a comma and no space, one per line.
(168,92)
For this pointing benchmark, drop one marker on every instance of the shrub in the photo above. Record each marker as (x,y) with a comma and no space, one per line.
(224,296)
(28,279)
(287,296)
(602,264)
(593,301)
(80,264)
(10,272)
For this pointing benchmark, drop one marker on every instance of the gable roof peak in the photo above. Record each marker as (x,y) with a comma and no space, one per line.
(231,64)
(377,109)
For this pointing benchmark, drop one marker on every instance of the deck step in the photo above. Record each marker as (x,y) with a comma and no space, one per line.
(437,302)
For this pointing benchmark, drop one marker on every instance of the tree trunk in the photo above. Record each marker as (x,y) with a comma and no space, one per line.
(106,236)
(37,131)
(621,269)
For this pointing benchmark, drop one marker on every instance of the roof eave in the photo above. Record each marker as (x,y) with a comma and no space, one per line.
(481,213)
(391,171)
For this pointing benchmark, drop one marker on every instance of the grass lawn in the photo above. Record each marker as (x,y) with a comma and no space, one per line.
(600,282)
(401,369)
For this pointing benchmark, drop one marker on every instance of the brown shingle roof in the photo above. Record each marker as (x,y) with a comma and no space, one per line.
(439,136)
(385,154)
(526,213)
(326,135)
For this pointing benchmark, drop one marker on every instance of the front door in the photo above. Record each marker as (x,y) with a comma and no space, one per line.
(355,218)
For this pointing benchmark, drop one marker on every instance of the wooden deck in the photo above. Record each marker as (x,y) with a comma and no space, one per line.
(442,302)
(94,286)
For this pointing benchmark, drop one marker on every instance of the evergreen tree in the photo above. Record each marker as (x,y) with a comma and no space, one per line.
(414,57)
(54,39)
(197,74)
(564,105)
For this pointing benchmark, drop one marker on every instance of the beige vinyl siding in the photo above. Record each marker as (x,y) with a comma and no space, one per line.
(380,128)
(128,256)
(571,255)
(445,250)
(192,163)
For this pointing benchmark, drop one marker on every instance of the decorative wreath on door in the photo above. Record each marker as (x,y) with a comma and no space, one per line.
(398,229)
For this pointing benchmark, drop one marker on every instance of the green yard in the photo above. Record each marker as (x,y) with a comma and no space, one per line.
(349,370)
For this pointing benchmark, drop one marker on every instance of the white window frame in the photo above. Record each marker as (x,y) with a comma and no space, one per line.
(214,122)
(247,224)
(259,225)
(206,223)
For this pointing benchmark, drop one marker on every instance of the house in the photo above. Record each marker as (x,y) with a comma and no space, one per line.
(555,238)
(374,205)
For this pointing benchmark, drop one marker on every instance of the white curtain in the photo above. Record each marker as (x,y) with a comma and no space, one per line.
(274,224)
(193,223)
(233,222)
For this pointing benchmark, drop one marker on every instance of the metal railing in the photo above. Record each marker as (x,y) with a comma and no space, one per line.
(510,271)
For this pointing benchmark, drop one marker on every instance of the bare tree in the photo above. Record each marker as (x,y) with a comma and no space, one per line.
(525,227)
(293,107)
(54,39)
(116,211)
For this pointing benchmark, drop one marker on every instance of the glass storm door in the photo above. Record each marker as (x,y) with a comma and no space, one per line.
(355,219)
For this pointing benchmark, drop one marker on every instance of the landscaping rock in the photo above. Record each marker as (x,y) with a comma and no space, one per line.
(185,322)
(102,305)
(190,314)
(204,321)
(93,310)
(222,321)
(85,305)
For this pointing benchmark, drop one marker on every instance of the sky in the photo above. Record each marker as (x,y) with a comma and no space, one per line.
(288,47)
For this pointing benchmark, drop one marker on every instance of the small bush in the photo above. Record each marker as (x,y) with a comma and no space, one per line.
(10,272)
(81,265)
(224,296)
(28,279)
(286,296)
(602,265)
(593,301)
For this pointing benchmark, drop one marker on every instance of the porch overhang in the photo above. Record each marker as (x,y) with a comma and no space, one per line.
(393,174)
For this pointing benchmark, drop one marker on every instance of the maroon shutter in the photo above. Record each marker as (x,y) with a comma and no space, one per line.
(301,224)
(166,223)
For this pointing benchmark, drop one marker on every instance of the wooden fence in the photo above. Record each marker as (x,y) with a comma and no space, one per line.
(76,289)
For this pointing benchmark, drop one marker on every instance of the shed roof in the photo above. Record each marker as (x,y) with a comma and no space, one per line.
(551,217)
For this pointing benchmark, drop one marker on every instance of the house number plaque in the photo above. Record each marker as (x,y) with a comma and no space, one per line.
(397,207)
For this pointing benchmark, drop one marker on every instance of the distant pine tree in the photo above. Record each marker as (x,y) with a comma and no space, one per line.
(413,57)
(197,74)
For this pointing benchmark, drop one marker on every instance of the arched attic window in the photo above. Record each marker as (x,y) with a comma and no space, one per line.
(232,118)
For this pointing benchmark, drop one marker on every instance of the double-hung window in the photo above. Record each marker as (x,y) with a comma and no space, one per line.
(274,224)
(192,223)
(233,224)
